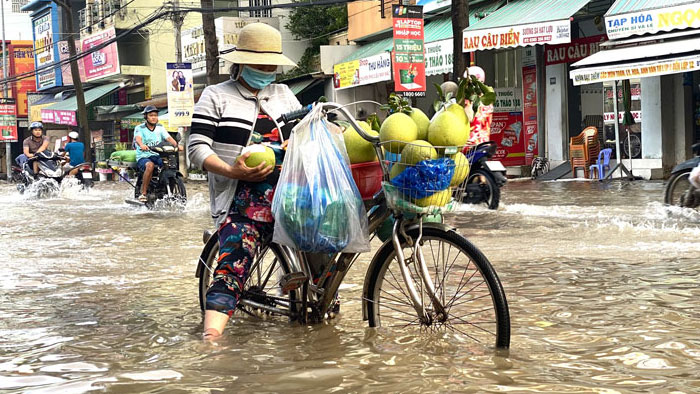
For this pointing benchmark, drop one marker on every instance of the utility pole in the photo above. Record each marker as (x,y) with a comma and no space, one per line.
(460,21)
(8,147)
(211,46)
(178,20)
(85,135)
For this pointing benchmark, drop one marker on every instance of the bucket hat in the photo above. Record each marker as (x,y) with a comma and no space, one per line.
(258,43)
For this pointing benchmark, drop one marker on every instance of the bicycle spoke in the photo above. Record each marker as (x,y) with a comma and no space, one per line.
(474,325)
(389,295)
(468,301)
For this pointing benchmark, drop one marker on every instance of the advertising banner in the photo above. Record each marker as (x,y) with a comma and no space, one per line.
(365,71)
(577,50)
(609,117)
(506,131)
(104,62)
(44,50)
(23,62)
(409,51)
(636,70)
(438,57)
(653,21)
(59,117)
(63,54)
(8,120)
(530,113)
(508,100)
(180,94)
(552,32)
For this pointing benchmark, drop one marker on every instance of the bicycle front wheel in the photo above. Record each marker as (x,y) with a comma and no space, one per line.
(464,281)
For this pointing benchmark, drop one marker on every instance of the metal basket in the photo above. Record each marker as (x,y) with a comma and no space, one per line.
(423,179)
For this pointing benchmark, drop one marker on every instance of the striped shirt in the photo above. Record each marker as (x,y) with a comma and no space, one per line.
(222,124)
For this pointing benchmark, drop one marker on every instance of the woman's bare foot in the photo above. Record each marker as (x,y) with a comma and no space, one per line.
(211,334)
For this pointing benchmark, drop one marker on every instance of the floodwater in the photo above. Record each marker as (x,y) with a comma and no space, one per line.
(602,282)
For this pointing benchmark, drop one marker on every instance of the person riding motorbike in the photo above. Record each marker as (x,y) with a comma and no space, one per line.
(146,135)
(75,151)
(32,145)
(227,117)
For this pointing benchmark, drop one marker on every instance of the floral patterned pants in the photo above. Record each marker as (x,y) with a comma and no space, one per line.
(239,243)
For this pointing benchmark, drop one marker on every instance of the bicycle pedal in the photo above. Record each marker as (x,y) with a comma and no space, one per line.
(293,281)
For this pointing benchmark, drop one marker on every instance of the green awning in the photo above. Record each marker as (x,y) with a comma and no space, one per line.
(299,86)
(71,104)
(441,28)
(521,12)
(629,6)
(370,49)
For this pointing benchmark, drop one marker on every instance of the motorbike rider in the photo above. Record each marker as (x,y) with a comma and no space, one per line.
(226,118)
(35,143)
(146,135)
(76,153)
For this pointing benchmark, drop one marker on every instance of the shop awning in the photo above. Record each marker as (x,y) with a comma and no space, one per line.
(370,49)
(114,112)
(627,18)
(649,60)
(523,23)
(64,112)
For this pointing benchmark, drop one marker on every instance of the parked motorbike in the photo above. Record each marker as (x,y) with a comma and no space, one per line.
(486,177)
(50,168)
(679,191)
(166,183)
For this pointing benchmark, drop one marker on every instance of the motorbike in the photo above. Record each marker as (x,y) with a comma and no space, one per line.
(166,183)
(486,177)
(50,168)
(679,191)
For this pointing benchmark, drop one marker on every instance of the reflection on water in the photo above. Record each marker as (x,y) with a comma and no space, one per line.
(602,281)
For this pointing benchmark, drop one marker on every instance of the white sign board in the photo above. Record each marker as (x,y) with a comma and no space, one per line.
(438,57)
(43,47)
(653,21)
(508,100)
(552,32)
(375,68)
(635,70)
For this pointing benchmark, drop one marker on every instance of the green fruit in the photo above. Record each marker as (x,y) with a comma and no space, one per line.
(396,169)
(458,111)
(438,199)
(448,130)
(422,121)
(258,154)
(461,169)
(418,151)
(359,149)
(399,128)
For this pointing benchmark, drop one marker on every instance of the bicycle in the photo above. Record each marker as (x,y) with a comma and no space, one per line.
(416,279)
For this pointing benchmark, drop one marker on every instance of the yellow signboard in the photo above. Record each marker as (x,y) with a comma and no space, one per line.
(346,74)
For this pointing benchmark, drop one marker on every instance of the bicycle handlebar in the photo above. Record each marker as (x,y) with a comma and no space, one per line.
(291,116)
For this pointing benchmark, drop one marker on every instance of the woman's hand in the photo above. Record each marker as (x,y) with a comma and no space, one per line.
(242,172)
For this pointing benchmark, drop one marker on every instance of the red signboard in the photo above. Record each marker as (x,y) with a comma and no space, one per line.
(22,62)
(103,62)
(8,120)
(409,51)
(530,112)
(576,50)
(59,117)
(506,131)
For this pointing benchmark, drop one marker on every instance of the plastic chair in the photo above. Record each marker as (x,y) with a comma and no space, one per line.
(583,148)
(602,166)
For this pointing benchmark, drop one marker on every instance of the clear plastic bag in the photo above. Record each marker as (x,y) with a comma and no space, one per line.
(694,177)
(317,206)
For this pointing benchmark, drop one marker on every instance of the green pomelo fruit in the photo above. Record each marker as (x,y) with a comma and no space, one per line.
(458,111)
(359,149)
(399,128)
(438,199)
(418,151)
(448,130)
(258,154)
(396,169)
(461,169)
(422,121)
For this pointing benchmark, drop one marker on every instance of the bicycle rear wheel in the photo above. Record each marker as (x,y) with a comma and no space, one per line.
(263,284)
(464,282)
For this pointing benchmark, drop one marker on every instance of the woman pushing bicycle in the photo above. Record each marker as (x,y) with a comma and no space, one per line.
(228,117)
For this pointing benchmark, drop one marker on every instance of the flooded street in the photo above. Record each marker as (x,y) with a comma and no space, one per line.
(602,282)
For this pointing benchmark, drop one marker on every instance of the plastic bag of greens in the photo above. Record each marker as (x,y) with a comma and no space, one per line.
(317,206)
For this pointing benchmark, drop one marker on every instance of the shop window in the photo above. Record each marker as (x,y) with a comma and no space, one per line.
(630,136)
(508,66)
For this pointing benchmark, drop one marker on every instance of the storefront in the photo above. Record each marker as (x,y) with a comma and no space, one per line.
(663,67)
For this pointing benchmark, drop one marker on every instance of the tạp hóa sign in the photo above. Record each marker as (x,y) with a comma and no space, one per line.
(653,21)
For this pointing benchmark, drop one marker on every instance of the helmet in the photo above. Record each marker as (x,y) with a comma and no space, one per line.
(36,125)
(74,135)
(149,109)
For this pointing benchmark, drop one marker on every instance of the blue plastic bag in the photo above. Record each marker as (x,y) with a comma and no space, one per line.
(425,178)
(317,206)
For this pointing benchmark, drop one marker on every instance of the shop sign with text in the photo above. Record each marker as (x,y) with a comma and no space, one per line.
(409,51)
(530,113)
(553,32)
(653,21)
(506,131)
(365,71)
(178,80)
(8,120)
(576,50)
(23,62)
(508,100)
(609,117)
(636,70)
(44,53)
(438,57)
(64,117)
(103,62)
